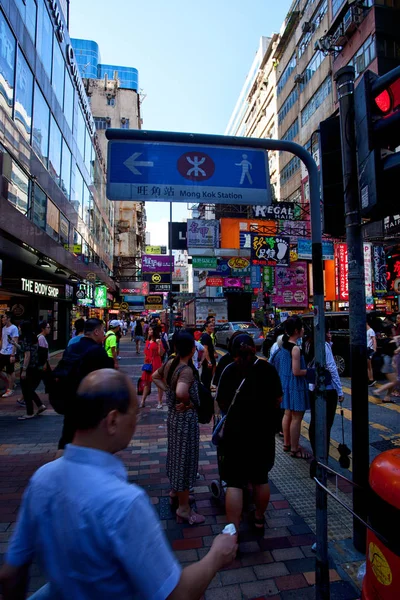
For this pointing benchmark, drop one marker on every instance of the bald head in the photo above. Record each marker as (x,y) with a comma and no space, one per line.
(100,393)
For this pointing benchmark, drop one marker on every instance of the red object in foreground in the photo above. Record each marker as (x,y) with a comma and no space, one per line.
(382,579)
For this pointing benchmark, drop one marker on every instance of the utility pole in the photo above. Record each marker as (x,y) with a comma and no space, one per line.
(171,312)
(357,309)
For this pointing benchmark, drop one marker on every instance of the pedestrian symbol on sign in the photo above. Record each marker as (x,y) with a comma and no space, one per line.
(246,166)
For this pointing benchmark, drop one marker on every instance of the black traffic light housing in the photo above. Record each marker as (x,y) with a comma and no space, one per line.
(332,177)
(377,120)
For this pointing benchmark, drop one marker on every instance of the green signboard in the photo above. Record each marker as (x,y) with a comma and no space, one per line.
(268,277)
(204,262)
(100,296)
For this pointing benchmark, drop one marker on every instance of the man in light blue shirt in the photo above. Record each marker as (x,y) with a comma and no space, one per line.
(79,328)
(97,536)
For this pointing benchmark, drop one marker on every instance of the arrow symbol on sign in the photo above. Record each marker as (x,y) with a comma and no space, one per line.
(131,163)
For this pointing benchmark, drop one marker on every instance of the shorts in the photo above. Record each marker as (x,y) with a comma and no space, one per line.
(370,353)
(139,338)
(5,362)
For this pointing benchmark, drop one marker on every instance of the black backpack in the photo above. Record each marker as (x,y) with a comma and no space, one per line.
(66,377)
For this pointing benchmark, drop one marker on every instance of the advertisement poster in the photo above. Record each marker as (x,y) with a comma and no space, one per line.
(270,250)
(368,272)
(235,282)
(291,286)
(202,233)
(379,271)
(215,281)
(341,272)
(157,264)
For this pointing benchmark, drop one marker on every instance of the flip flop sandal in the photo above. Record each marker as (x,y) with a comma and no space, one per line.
(389,401)
(286,447)
(301,453)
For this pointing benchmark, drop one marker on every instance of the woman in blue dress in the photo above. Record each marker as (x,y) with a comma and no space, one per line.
(292,370)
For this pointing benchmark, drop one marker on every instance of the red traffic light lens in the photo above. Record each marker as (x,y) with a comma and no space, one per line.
(384,101)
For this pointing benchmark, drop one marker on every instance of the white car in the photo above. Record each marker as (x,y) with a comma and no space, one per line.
(224,332)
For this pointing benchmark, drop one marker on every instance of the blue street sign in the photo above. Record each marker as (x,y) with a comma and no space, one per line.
(187,173)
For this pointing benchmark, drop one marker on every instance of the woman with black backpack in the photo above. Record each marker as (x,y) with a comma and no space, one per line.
(33,361)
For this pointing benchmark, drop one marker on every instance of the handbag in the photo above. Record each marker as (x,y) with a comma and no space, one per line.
(218,433)
(147,368)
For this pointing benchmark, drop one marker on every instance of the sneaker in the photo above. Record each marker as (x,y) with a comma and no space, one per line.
(26,417)
(371,383)
(21,402)
(8,393)
(41,409)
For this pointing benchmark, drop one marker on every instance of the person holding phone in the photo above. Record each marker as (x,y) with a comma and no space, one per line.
(9,337)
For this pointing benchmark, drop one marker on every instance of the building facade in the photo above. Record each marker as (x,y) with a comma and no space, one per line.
(114,99)
(56,224)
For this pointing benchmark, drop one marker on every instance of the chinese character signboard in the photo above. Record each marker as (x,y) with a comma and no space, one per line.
(204,262)
(255,281)
(291,286)
(270,250)
(156,249)
(379,271)
(202,233)
(100,296)
(157,264)
(368,271)
(215,281)
(154,302)
(341,272)
(304,249)
(269,278)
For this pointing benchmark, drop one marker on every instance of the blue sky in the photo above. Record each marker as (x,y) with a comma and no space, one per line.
(192,57)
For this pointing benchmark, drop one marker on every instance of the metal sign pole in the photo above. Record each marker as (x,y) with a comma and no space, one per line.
(171,312)
(173,138)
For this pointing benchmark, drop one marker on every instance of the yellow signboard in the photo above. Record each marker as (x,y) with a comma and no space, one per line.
(153,250)
(74,248)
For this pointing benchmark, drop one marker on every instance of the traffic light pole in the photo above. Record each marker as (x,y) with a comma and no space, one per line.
(357,308)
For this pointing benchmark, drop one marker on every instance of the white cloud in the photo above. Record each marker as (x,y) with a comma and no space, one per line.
(158,232)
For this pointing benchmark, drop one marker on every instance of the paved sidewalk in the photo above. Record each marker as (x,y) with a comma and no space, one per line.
(278,564)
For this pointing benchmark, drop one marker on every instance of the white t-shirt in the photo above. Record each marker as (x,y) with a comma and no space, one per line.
(370,336)
(199,349)
(6,347)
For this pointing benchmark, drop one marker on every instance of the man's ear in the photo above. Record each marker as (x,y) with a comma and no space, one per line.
(111,422)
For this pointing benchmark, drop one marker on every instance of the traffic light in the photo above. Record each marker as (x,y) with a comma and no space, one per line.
(332,177)
(377,119)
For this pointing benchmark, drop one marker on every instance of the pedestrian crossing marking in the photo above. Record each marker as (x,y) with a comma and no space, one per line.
(376,401)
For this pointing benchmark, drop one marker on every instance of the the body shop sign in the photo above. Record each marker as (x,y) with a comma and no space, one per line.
(41,289)
(341,272)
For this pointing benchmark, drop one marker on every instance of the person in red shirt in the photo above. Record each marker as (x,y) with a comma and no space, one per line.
(153,352)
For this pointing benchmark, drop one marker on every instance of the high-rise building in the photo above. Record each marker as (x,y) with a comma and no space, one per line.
(112,91)
(56,224)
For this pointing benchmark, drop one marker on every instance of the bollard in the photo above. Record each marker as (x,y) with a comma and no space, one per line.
(382,579)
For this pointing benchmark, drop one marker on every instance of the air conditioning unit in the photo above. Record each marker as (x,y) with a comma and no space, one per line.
(308,27)
(352,19)
(338,37)
(123,120)
(299,79)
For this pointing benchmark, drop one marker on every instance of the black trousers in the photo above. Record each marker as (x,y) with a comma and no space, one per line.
(28,387)
(331,405)
(206,375)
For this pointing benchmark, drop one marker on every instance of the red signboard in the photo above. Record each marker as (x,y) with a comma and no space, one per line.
(215,281)
(341,272)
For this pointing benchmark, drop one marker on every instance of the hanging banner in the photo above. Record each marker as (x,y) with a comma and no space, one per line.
(155,250)
(269,250)
(204,262)
(214,281)
(233,282)
(379,271)
(269,278)
(157,264)
(304,249)
(202,233)
(341,272)
(255,281)
(291,286)
(368,271)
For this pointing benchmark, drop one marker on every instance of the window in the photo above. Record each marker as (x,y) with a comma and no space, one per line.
(288,104)
(41,117)
(87,206)
(291,133)
(52,220)
(28,11)
(311,68)
(77,239)
(364,56)
(336,6)
(66,160)
(18,189)
(81,132)
(69,101)
(102,122)
(7,65)
(290,169)
(110,101)
(288,70)
(88,149)
(316,100)
(124,123)
(58,74)
(44,42)
(315,23)
(55,150)
(64,229)
(77,192)
(23,97)
(39,207)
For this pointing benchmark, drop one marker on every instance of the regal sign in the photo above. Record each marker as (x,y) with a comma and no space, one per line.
(287,211)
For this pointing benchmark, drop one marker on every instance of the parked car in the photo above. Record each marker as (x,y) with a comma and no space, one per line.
(224,332)
(338,324)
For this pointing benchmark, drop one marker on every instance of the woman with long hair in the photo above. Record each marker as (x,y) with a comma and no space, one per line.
(178,378)
(153,352)
(291,366)
(249,394)
(31,373)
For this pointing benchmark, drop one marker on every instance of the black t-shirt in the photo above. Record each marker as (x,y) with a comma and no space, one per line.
(207,341)
(94,356)
(138,329)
